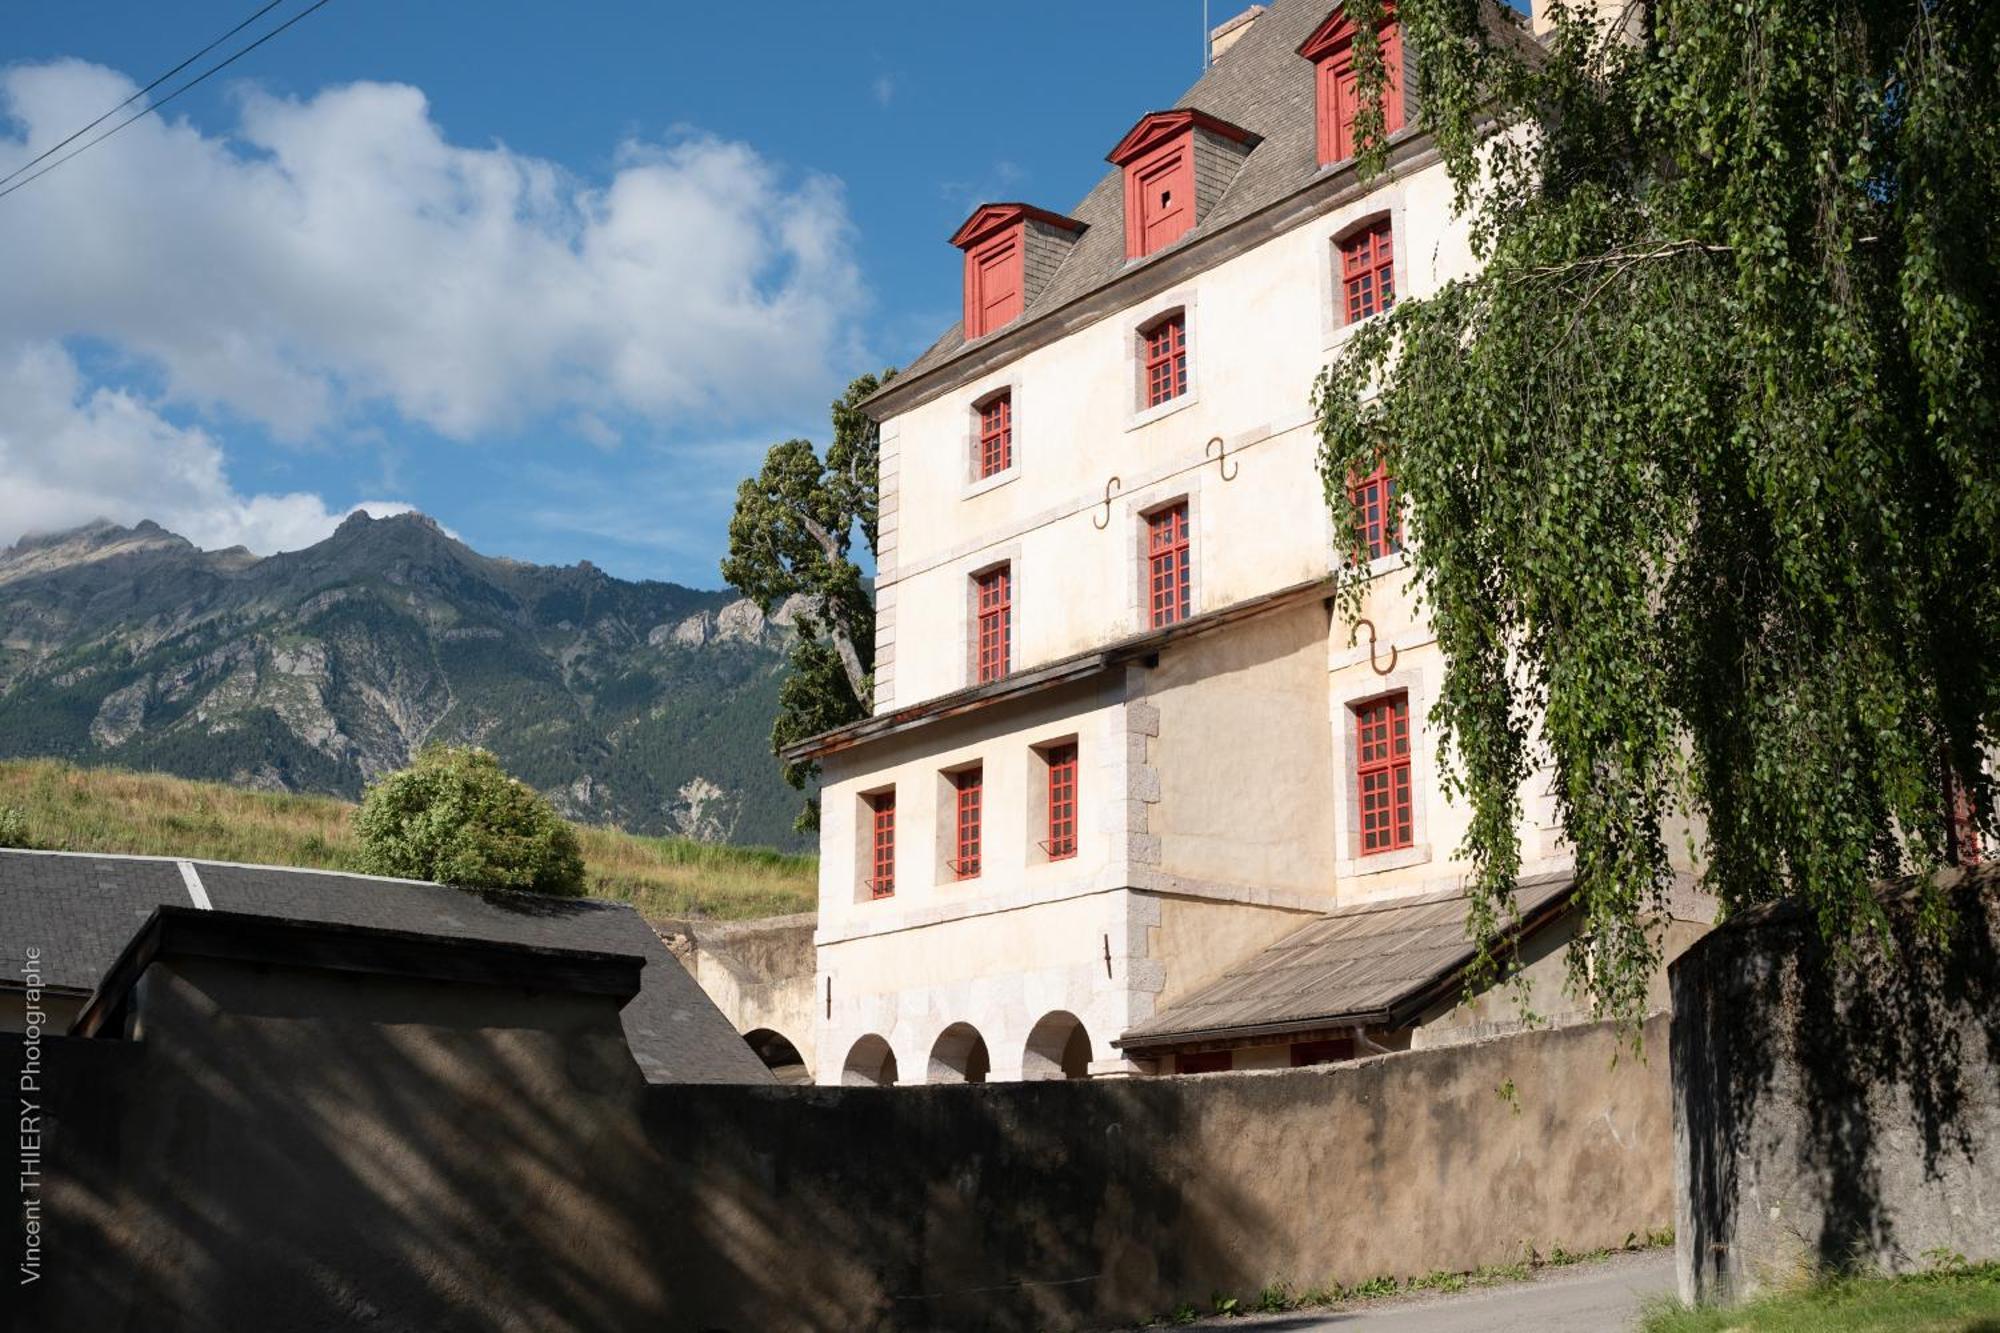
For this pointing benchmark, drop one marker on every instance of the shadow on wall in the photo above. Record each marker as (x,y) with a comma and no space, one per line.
(1835,1112)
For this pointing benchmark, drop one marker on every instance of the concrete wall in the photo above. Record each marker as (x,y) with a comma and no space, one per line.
(758,973)
(291,1148)
(1831,1113)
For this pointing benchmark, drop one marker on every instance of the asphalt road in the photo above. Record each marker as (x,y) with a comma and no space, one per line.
(1589,1298)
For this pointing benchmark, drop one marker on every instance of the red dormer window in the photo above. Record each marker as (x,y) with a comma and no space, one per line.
(1158,156)
(996,240)
(1331,49)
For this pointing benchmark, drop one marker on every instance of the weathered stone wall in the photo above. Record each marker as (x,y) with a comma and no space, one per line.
(758,973)
(289,1148)
(1836,1112)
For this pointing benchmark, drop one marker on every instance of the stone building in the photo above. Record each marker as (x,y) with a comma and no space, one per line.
(1122,748)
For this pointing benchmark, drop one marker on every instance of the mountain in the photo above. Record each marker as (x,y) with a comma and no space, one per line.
(646,705)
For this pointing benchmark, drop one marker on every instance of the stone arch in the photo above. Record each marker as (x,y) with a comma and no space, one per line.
(1058,1047)
(870,1064)
(959,1056)
(780,1055)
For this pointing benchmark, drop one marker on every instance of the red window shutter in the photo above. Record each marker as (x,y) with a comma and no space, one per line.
(993,284)
(1062,801)
(1159,198)
(996,435)
(1368,272)
(1166,360)
(995,594)
(1169,579)
(1339,101)
(1381,525)
(970,794)
(1382,774)
(882,883)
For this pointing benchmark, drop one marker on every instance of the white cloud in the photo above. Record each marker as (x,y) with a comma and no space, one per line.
(70,453)
(884,89)
(336,254)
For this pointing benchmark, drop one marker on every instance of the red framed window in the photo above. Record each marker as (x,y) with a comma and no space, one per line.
(1159,195)
(1962,826)
(1331,49)
(996,435)
(1374,498)
(1166,359)
(1169,583)
(968,799)
(1061,842)
(882,859)
(1382,774)
(993,296)
(993,593)
(1368,272)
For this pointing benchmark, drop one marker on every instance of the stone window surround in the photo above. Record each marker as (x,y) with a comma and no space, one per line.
(945,843)
(1349,863)
(1386,203)
(863,806)
(1037,830)
(968,625)
(974,484)
(1185,300)
(1139,505)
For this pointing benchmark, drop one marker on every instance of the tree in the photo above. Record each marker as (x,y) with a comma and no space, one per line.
(1702,465)
(792,535)
(455,817)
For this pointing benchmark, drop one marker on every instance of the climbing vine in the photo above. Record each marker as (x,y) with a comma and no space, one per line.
(1702,465)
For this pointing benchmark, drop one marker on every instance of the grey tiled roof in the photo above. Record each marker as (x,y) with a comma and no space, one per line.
(81,910)
(1261,84)
(1360,964)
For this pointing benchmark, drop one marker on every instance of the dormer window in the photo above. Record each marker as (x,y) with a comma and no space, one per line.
(1177,164)
(1011,251)
(1331,49)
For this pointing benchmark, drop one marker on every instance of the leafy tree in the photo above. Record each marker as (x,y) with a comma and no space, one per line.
(1703,468)
(455,817)
(792,535)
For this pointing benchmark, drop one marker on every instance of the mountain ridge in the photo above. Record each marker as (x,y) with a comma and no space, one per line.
(642,703)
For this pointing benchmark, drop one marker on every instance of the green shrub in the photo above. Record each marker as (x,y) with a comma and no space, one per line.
(14,827)
(455,817)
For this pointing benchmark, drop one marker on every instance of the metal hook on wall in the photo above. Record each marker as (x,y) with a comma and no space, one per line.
(1111,488)
(1379,670)
(1223,463)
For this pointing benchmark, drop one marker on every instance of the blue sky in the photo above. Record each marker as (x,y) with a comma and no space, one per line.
(555,275)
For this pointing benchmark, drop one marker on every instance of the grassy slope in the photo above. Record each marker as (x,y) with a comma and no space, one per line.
(112,810)
(1959,1299)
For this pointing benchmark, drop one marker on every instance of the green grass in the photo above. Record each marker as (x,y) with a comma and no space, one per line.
(1955,1298)
(61,807)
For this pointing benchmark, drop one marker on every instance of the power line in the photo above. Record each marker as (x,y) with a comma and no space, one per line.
(56,148)
(216,68)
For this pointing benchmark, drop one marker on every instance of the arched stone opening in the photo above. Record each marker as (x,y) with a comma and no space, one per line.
(870,1064)
(779,1054)
(959,1056)
(1058,1047)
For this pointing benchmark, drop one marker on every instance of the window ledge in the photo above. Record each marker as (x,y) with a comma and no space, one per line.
(1012,472)
(1357,867)
(1149,415)
(1339,336)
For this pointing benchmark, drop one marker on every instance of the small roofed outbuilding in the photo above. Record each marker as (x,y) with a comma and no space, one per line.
(75,914)
(1353,982)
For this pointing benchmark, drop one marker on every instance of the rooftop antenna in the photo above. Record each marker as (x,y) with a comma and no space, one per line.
(1204,34)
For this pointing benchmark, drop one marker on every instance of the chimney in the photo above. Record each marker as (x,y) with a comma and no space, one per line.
(1224,35)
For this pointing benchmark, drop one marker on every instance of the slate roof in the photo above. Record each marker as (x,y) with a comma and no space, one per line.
(81,910)
(1262,84)
(1373,964)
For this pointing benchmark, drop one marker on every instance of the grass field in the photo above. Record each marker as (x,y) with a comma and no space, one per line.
(1959,1298)
(62,807)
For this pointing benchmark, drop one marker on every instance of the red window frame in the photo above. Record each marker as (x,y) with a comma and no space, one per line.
(993,277)
(1962,831)
(1159,197)
(968,809)
(1169,576)
(1166,359)
(996,435)
(882,848)
(1382,774)
(1367,272)
(1061,760)
(1374,497)
(993,600)
(1331,49)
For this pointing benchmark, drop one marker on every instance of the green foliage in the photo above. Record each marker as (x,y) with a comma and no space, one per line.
(792,535)
(1963,1297)
(455,817)
(14,827)
(1703,465)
